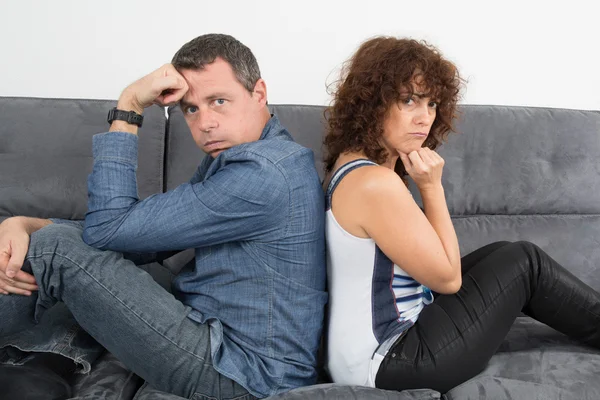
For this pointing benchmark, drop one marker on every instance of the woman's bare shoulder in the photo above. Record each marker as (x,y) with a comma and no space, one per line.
(377,180)
(367,180)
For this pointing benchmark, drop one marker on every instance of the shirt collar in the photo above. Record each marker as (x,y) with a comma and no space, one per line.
(271,129)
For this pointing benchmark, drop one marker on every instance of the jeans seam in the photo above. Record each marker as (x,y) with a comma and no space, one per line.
(54,253)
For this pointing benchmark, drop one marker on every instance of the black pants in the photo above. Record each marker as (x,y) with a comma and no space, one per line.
(456,335)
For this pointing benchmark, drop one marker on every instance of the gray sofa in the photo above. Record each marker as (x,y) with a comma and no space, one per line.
(513,173)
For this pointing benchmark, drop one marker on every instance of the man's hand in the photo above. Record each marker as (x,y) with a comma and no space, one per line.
(424,167)
(164,87)
(14,243)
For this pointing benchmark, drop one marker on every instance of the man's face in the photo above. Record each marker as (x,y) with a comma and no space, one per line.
(219,111)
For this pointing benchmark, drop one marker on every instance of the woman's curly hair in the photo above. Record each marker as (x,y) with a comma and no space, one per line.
(380,74)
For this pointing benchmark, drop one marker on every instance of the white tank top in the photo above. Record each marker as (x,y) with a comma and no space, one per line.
(372,301)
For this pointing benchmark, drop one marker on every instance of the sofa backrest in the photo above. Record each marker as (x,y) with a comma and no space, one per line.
(512,173)
(46,154)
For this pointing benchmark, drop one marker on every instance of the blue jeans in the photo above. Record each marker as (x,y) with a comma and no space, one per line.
(124,309)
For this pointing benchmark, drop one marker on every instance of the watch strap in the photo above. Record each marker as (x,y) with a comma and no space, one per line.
(131,117)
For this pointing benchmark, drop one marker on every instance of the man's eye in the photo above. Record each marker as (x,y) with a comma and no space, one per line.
(220,102)
(191,110)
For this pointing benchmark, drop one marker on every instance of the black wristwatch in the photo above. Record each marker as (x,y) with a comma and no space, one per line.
(131,117)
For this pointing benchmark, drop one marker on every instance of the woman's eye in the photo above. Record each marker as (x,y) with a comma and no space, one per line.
(433,104)
(409,101)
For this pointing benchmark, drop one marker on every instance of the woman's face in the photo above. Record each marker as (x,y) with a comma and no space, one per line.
(408,123)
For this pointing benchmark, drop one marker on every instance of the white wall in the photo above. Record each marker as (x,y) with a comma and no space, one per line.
(512,52)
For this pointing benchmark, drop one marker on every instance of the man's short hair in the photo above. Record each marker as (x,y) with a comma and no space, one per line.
(205,49)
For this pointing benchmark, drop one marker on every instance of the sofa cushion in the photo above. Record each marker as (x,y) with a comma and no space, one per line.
(523,160)
(46,154)
(536,362)
(328,391)
(343,392)
(570,239)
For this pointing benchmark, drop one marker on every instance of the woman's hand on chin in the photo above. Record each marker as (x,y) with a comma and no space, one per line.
(425,167)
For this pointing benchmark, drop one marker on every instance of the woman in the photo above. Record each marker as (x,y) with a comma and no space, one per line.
(395,103)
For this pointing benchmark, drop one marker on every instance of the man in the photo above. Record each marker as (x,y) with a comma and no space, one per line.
(246,317)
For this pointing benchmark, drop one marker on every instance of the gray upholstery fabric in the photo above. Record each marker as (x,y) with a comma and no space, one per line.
(343,392)
(570,239)
(523,160)
(46,154)
(317,392)
(536,362)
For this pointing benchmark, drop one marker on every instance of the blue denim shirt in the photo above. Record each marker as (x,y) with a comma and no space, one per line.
(255,215)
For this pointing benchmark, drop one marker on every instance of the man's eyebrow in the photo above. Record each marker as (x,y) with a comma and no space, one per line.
(217,95)
(210,97)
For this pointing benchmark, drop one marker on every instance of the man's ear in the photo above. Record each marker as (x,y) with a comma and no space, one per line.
(260,92)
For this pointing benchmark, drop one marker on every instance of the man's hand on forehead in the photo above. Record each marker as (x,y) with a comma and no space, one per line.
(164,86)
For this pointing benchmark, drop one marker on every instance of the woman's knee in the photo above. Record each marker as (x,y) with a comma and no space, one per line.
(497,245)
(500,243)
(527,247)
(527,256)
